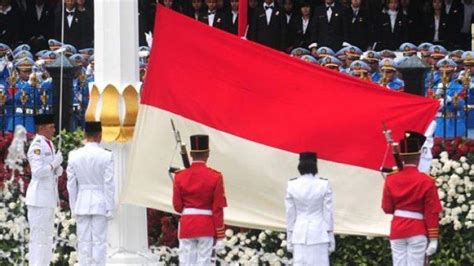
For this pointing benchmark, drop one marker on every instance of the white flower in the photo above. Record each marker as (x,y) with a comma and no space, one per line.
(466,166)
(282,236)
(268,232)
(11,205)
(451,192)
(461,199)
(1,237)
(228,258)
(283,244)
(460,189)
(463,159)
(262,236)
(469,224)
(464,208)
(459,170)
(229,233)
(242,237)
(457,225)
(446,168)
(280,252)
(8,195)
(253,238)
(444,154)
(55,257)
(247,241)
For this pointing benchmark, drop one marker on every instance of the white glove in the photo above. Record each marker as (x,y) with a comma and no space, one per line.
(432,246)
(332,242)
(219,246)
(57,161)
(109,215)
(58,171)
(289,244)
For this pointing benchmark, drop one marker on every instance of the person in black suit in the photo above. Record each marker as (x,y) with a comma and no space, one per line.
(74,26)
(391,27)
(292,16)
(360,26)
(455,14)
(268,26)
(413,20)
(197,7)
(329,27)
(212,16)
(232,17)
(10,18)
(436,25)
(301,28)
(39,25)
(87,14)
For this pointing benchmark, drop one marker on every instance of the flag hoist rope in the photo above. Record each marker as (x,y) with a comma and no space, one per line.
(56,235)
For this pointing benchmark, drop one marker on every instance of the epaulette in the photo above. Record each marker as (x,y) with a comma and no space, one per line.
(294,178)
(214,170)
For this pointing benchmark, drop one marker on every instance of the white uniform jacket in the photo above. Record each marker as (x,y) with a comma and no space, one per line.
(90,182)
(309,210)
(43,189)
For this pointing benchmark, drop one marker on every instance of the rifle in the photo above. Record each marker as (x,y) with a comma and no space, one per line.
(395,151)
(183,151)
(444,83)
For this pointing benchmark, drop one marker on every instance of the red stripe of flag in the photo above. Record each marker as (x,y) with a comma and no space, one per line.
(263,95)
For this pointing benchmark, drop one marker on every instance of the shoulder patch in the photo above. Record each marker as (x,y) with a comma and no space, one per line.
(294,178)
(323,178)
(37,151)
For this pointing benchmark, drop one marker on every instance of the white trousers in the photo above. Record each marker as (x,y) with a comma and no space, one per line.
(41,222)
(311,255)
(92,239)
(195,251)
(409,251)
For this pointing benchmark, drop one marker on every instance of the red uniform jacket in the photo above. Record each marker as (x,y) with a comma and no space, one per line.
(203,188)
(410,190)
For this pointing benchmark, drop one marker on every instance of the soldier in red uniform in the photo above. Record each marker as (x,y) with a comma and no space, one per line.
(412,198)
(198,194)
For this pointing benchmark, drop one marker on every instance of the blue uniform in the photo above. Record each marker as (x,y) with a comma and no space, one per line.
(22,114)
(455,114)
(396,84)
(45,105)
(79,101)
(376,77)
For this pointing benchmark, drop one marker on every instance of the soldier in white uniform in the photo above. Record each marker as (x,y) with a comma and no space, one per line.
(91,195)
(42,192)
(309,215)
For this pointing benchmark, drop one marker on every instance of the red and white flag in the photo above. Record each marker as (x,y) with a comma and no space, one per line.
(260,108)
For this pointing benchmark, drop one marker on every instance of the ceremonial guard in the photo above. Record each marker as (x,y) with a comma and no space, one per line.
(372,58)
(361,70)
(466,77)
(91,190)
(309,215)
(80,92)
(389,77)
(451,94)
(22,96)
(42,193)
(330,62)
(412,198)
(198,195)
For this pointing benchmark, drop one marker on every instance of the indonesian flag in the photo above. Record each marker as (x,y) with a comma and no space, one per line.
(260,108)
